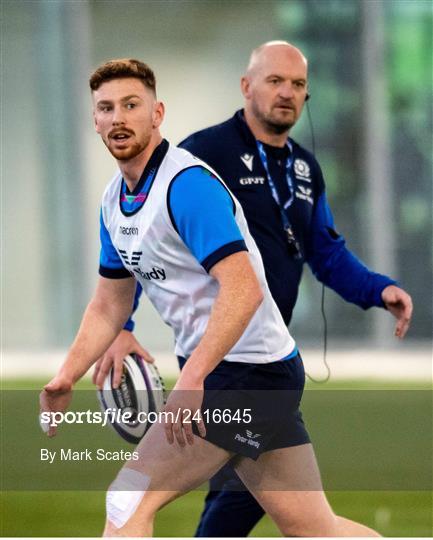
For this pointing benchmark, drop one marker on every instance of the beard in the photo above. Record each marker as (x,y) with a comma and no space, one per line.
(271,122)
(129,152)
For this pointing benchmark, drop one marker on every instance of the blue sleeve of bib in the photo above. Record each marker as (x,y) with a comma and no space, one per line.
(335,266)
(110,264)
(203,213)
(130,324)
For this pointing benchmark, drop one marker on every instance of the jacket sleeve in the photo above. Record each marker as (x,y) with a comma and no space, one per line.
(130,324)
(335,266)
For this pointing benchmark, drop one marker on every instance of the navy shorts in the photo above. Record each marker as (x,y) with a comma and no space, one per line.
(249,409)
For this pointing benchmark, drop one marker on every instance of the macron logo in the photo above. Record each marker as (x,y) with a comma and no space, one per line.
(247,160)
(128,230)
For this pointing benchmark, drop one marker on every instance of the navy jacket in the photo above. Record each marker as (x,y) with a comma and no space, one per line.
(231,150)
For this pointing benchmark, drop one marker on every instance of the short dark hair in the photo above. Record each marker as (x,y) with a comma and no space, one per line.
(121,69)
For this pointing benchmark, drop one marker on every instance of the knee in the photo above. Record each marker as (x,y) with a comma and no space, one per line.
(110,530)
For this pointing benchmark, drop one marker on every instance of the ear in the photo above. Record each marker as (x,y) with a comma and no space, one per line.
(246,87)
(95,122)
(158,114)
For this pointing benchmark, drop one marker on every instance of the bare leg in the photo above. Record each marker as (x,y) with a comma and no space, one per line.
(286,483)
(172,471)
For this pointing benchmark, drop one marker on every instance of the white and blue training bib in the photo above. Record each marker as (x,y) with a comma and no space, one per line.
(179,221)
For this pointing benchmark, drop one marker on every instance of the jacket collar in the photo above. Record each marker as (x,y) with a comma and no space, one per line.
(243,128)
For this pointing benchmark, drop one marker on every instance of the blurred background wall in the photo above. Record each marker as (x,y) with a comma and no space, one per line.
(371,110)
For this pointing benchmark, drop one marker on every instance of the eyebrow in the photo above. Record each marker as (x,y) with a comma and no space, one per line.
(275,76)
(126,98)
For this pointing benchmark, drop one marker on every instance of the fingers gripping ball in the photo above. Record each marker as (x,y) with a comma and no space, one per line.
(141,392)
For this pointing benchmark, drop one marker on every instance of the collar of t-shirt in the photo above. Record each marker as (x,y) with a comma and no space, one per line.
(132,201)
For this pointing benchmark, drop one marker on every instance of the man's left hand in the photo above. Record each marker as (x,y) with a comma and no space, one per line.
(184,405)
(399,303)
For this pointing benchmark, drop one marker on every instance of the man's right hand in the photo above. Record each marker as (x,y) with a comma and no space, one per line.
(55,397)
(124,344)
(399,303)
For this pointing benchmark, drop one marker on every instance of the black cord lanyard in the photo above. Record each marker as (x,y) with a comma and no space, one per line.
(293,243)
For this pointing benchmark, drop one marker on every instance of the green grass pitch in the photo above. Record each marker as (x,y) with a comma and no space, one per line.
(396,417)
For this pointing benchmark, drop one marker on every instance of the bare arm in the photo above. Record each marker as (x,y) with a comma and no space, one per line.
(238,298)
(102,321)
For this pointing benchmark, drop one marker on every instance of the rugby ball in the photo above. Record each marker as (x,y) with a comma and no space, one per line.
(141,391)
